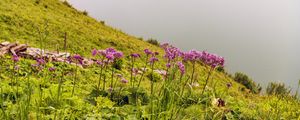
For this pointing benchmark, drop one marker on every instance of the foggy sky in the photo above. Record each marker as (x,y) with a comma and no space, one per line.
(258,37)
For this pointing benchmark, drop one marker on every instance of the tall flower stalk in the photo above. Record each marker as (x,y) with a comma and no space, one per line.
(79,61)
(148,53)
(134,56)
(152,62)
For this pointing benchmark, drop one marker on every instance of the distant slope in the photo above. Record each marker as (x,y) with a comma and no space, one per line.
(21,19)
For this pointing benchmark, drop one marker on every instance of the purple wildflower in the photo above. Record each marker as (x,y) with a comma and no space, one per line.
(94,52)
(78,58)
(102,52)
(110,50)
(153,59)
(148,52)
(168,65)
(110,56)
(15,58)
(181,67)
(40,61)
(135,55)
(171,52)
(118,55)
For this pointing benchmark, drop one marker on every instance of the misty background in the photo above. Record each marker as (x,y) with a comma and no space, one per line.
(260,38)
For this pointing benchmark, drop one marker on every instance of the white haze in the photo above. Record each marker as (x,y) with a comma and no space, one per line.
(258,37)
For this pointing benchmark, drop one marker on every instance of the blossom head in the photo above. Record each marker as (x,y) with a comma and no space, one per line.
(40,61)
(118,55)
(110,56)
(94,52)
(171,52)
(101,52)
(168,65)
(147,52)
(153,60)
(135,55)
(78,58)
(181,67)
(15,58)
(110,50)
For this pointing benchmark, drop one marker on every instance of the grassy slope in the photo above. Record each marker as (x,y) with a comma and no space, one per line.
(20,19)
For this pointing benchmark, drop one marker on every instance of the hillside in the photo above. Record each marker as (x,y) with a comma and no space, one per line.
(24,20)
(194,85)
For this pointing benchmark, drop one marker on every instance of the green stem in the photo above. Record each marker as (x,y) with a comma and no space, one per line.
(142,76)
(131,71)
(74,81)
(193,72)
(152,89)
(100,76)
(209,74)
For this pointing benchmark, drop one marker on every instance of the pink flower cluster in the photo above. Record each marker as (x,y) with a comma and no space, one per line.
(110,54)
(212,60)
(171,53)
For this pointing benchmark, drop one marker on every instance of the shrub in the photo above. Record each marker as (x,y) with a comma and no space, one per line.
(102,22)
(277,89)
(153,42)
(247,82)
(67,4)
(85,13)
(220,69)
(140,38)
(37,1)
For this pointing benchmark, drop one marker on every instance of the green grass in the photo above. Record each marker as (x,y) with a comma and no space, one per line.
(21,20)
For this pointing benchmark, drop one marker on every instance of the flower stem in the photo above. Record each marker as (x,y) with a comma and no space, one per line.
(209,74)
(131,71)
(144,70)
(100,76)
(74,81)
(193,72)
(152,94)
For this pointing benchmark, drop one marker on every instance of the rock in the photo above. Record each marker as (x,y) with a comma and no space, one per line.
(5,43)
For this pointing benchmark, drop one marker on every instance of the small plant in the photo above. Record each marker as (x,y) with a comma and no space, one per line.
(85,13)
(277,89)
(37,1)
(247,82)
(102,22)
(65,2)
(153,42)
